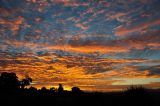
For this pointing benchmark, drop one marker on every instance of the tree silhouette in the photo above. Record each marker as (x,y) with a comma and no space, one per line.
(32,88)
(52,89)
(43,89)
(25,82)
(60,88)
(9,81)
(76,90)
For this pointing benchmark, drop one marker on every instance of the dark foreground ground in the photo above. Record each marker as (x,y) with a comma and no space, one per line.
(66,98)
(13,92)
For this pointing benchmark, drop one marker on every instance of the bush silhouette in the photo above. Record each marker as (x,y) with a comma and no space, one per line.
(76,90)
(136,90)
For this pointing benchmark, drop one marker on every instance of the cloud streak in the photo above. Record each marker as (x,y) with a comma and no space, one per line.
(122,31)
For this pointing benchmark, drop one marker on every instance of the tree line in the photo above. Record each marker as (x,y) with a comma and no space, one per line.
(10,82)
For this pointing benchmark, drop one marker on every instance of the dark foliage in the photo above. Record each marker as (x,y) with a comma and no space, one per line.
(8,81)
(60,88)
(76,90)
(14,93)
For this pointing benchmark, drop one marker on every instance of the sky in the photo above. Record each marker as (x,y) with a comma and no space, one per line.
(97,45)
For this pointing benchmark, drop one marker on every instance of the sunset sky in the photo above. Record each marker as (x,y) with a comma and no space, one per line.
(97,45)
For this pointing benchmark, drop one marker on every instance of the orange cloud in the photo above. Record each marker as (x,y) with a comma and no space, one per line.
(122,31)
(14,24)
(88,73)
(68,48)
(63,1)
(87,49)
(50,70)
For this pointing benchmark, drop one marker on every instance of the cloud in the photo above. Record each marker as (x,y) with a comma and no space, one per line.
(124,30)
(84,72)
(74,4)
(49,69)
(13,24)
(116,16)
(81,26)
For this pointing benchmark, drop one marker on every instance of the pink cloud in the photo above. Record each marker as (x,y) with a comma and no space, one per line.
(122,31)
(82,26)
(14,24)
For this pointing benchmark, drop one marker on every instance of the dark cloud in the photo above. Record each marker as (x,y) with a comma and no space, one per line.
(154,70)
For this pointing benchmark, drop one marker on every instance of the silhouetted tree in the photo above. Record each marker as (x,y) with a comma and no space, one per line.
(25,82)
(43,88)
(9,81)
(60,88)
(53,89)
(136,90)
(76,90)
(32,88)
